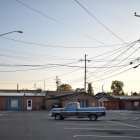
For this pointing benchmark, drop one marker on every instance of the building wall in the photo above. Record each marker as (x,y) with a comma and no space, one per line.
(132,105)
(49,103)
(87,100)
(90,101)
(38,102)
(2,103)
(114,105)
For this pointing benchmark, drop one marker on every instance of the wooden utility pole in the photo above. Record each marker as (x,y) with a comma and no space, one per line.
(85,73)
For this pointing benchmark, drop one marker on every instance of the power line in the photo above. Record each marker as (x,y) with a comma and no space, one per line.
(113,70)
(37,55)
(58,22)
(111,51)
(63,65)
(117,73)
(108,72)
(59,46)
(99,21)
(128,47)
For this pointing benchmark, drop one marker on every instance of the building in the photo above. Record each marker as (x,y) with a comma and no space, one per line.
(129,102)
(108,101)
(118,102)
(60,99)
(37,100)
(21,100)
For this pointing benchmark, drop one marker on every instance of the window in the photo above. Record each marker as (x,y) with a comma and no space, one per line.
(29,103)
(14,103)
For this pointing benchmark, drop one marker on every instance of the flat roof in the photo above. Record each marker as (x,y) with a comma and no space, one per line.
(22,94)
(127,97)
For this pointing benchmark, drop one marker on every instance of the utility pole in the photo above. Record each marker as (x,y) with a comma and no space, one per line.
(85,73)
(44,85)
(58,82)
(135,14)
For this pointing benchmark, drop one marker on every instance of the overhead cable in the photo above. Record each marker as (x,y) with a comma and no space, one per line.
(58,46)
(99,21)
(58,22)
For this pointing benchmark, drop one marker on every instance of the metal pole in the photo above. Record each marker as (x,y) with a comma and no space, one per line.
(135,14)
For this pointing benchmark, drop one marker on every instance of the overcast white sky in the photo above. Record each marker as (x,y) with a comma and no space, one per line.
(58,33)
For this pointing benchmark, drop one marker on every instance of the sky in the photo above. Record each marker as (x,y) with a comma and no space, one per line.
(57,34)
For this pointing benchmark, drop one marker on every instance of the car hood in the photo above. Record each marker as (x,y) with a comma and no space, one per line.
(57,109)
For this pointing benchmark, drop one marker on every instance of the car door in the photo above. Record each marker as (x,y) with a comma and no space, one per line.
(71,110)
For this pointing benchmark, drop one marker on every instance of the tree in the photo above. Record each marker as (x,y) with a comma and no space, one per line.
(65,87)
(90,89)
(79,90)
(117,87)
(135,94)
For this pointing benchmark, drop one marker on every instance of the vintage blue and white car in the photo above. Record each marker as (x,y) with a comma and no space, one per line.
(73,110)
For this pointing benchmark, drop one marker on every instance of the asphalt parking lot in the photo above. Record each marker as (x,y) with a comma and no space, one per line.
(37,125)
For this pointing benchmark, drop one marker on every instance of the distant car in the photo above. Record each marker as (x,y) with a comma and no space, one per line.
(73,110)
(56,105)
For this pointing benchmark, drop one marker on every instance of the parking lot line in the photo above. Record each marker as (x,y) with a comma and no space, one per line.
(87,128)
(106,136)
(84,124)
(124,124)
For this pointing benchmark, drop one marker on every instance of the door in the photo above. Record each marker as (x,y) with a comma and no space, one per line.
(29,104)
(101,104)
(70,110)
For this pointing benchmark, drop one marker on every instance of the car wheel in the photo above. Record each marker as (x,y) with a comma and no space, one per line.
(62,118)
(93,117)
(57,117)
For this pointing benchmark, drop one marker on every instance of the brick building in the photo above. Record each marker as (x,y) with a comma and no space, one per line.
(37,100)
(108,101)
(129,102)
(21,101)
(118,102)
(60,99)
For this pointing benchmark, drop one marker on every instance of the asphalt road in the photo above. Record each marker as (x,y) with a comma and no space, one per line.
(37,125)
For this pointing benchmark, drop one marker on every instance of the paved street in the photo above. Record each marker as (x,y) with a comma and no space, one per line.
(36,125)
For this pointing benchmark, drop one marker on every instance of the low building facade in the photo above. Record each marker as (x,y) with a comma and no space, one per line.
(22,101)
(33,100)
(118,102)
(129,102)
(60,99)
(108,101)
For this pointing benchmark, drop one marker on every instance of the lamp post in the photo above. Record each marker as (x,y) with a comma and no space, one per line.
(11,32)
(135,14)
(103,87)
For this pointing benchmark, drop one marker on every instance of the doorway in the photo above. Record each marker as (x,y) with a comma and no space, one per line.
(29,104)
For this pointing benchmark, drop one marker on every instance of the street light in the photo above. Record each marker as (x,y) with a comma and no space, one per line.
(11,32)
(135,14)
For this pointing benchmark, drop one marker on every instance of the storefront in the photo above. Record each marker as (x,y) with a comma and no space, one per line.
(14,104)
(22,101)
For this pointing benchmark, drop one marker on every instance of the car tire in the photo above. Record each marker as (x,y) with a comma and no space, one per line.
(58,117)
(93,117)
